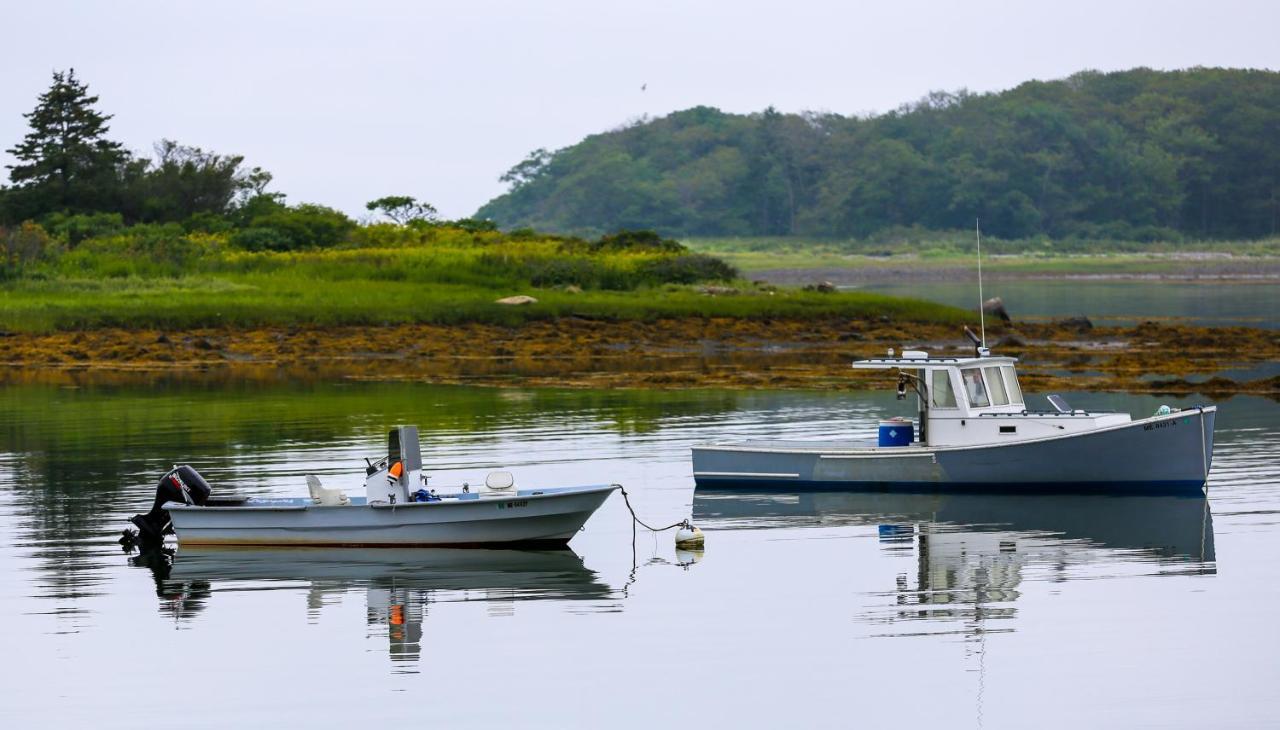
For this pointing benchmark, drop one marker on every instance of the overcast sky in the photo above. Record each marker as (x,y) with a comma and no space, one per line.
(346,102)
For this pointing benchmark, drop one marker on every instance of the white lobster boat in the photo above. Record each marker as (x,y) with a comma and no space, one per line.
(398,509)
(975,432)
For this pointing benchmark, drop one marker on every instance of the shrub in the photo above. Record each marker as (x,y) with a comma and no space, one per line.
(689,269)
(261,239)
(303,226)
(72,229)
(637,241)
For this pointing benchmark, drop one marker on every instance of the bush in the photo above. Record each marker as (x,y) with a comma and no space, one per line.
(72,229)
(23,245)
(303,226)
(637,241)
(689,269)
(261,239)
(473,225)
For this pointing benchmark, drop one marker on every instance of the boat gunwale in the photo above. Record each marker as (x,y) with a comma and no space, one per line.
(444,502)
(924,449)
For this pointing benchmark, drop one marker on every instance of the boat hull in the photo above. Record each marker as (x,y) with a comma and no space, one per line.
(547,518)
(1168,454)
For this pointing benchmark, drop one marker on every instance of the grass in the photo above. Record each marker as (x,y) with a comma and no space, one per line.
(922,250)
(265,300)
(440,277)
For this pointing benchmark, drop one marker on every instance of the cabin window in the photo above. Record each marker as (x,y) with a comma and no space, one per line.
(940,391)
(1011,382)
(974,388)
(999,397)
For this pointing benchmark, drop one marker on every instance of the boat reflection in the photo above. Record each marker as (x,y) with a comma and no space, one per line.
(972,552)
(399,585)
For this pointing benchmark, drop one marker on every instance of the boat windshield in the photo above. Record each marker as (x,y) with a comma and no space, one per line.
(974,388)
(1011,381)
(940,390)
(999,397)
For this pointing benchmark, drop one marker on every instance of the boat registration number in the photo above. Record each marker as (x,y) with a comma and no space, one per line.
(1163,424)
(513,504)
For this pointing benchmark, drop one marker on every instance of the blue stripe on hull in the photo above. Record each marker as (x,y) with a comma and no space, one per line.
(794,485)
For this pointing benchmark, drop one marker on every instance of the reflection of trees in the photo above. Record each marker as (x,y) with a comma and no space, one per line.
(85,458)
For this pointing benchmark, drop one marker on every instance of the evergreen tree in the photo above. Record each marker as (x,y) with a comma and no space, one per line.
(66,163)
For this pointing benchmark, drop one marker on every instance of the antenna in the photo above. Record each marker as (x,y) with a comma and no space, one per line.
(982,302)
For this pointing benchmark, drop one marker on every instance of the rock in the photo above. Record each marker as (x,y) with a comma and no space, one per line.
(573,289)
(162,339)
(517,300)
(825,287)
(1011,340)
(995,306)
(854,336)
(1079,324)
(202,344)
(713,290)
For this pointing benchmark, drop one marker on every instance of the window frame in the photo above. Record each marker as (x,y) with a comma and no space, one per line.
(1011,379)
(951,388)
(995,385)
(977,370)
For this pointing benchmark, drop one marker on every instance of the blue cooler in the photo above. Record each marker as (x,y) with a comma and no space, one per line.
(897,432)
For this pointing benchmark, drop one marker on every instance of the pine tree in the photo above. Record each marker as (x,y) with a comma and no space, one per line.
(66,162)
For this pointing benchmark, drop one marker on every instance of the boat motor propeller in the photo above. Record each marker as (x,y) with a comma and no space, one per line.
(182,484)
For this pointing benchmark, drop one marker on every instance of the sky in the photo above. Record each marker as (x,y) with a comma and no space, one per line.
(347,102)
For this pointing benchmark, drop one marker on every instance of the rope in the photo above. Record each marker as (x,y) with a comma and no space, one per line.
(642,523)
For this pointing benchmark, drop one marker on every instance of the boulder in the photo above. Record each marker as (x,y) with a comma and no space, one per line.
(1079,324)
(517,300)
(995,307)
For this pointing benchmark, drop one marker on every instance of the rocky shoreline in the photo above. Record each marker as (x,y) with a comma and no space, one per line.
(677,353)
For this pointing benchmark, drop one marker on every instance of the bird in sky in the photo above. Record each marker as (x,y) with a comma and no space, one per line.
(644,86)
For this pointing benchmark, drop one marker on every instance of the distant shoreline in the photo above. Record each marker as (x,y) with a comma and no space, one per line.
(1208,267)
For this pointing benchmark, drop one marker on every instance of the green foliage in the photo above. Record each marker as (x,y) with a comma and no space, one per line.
(402,209)
(22,246)
(643,241)
(1137,155)
(74,228)
(262,239)
(302,226)
(184,182)
(690,269)
(66,166)
(65,162)
(163,275)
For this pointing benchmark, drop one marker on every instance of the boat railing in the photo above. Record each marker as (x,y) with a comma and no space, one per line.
(1055,414)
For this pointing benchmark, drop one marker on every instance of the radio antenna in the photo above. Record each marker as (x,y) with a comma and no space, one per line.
(982,302)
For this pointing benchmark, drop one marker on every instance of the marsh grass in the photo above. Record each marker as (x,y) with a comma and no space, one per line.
(949,250)
(394,277)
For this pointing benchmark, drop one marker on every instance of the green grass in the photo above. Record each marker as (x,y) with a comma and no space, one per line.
(403,276)
(949,251)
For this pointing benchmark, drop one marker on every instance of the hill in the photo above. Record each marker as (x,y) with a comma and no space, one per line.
(1137,154)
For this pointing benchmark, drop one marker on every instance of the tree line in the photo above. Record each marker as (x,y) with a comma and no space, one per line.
(70,182)
(1136,155)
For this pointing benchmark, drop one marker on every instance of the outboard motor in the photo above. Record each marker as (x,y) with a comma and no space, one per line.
(182,484)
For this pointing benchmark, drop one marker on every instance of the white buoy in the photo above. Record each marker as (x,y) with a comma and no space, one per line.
(689,537)
(688,557)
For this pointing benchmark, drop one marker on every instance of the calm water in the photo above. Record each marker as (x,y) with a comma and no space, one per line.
(820,610)
(1249,304)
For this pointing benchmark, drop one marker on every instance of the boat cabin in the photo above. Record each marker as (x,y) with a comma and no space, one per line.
(977,400)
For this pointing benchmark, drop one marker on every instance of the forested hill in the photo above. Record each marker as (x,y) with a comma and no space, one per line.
(1137,154)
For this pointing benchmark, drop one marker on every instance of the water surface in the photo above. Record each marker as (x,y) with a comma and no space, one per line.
(1111,301)
(814,610)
